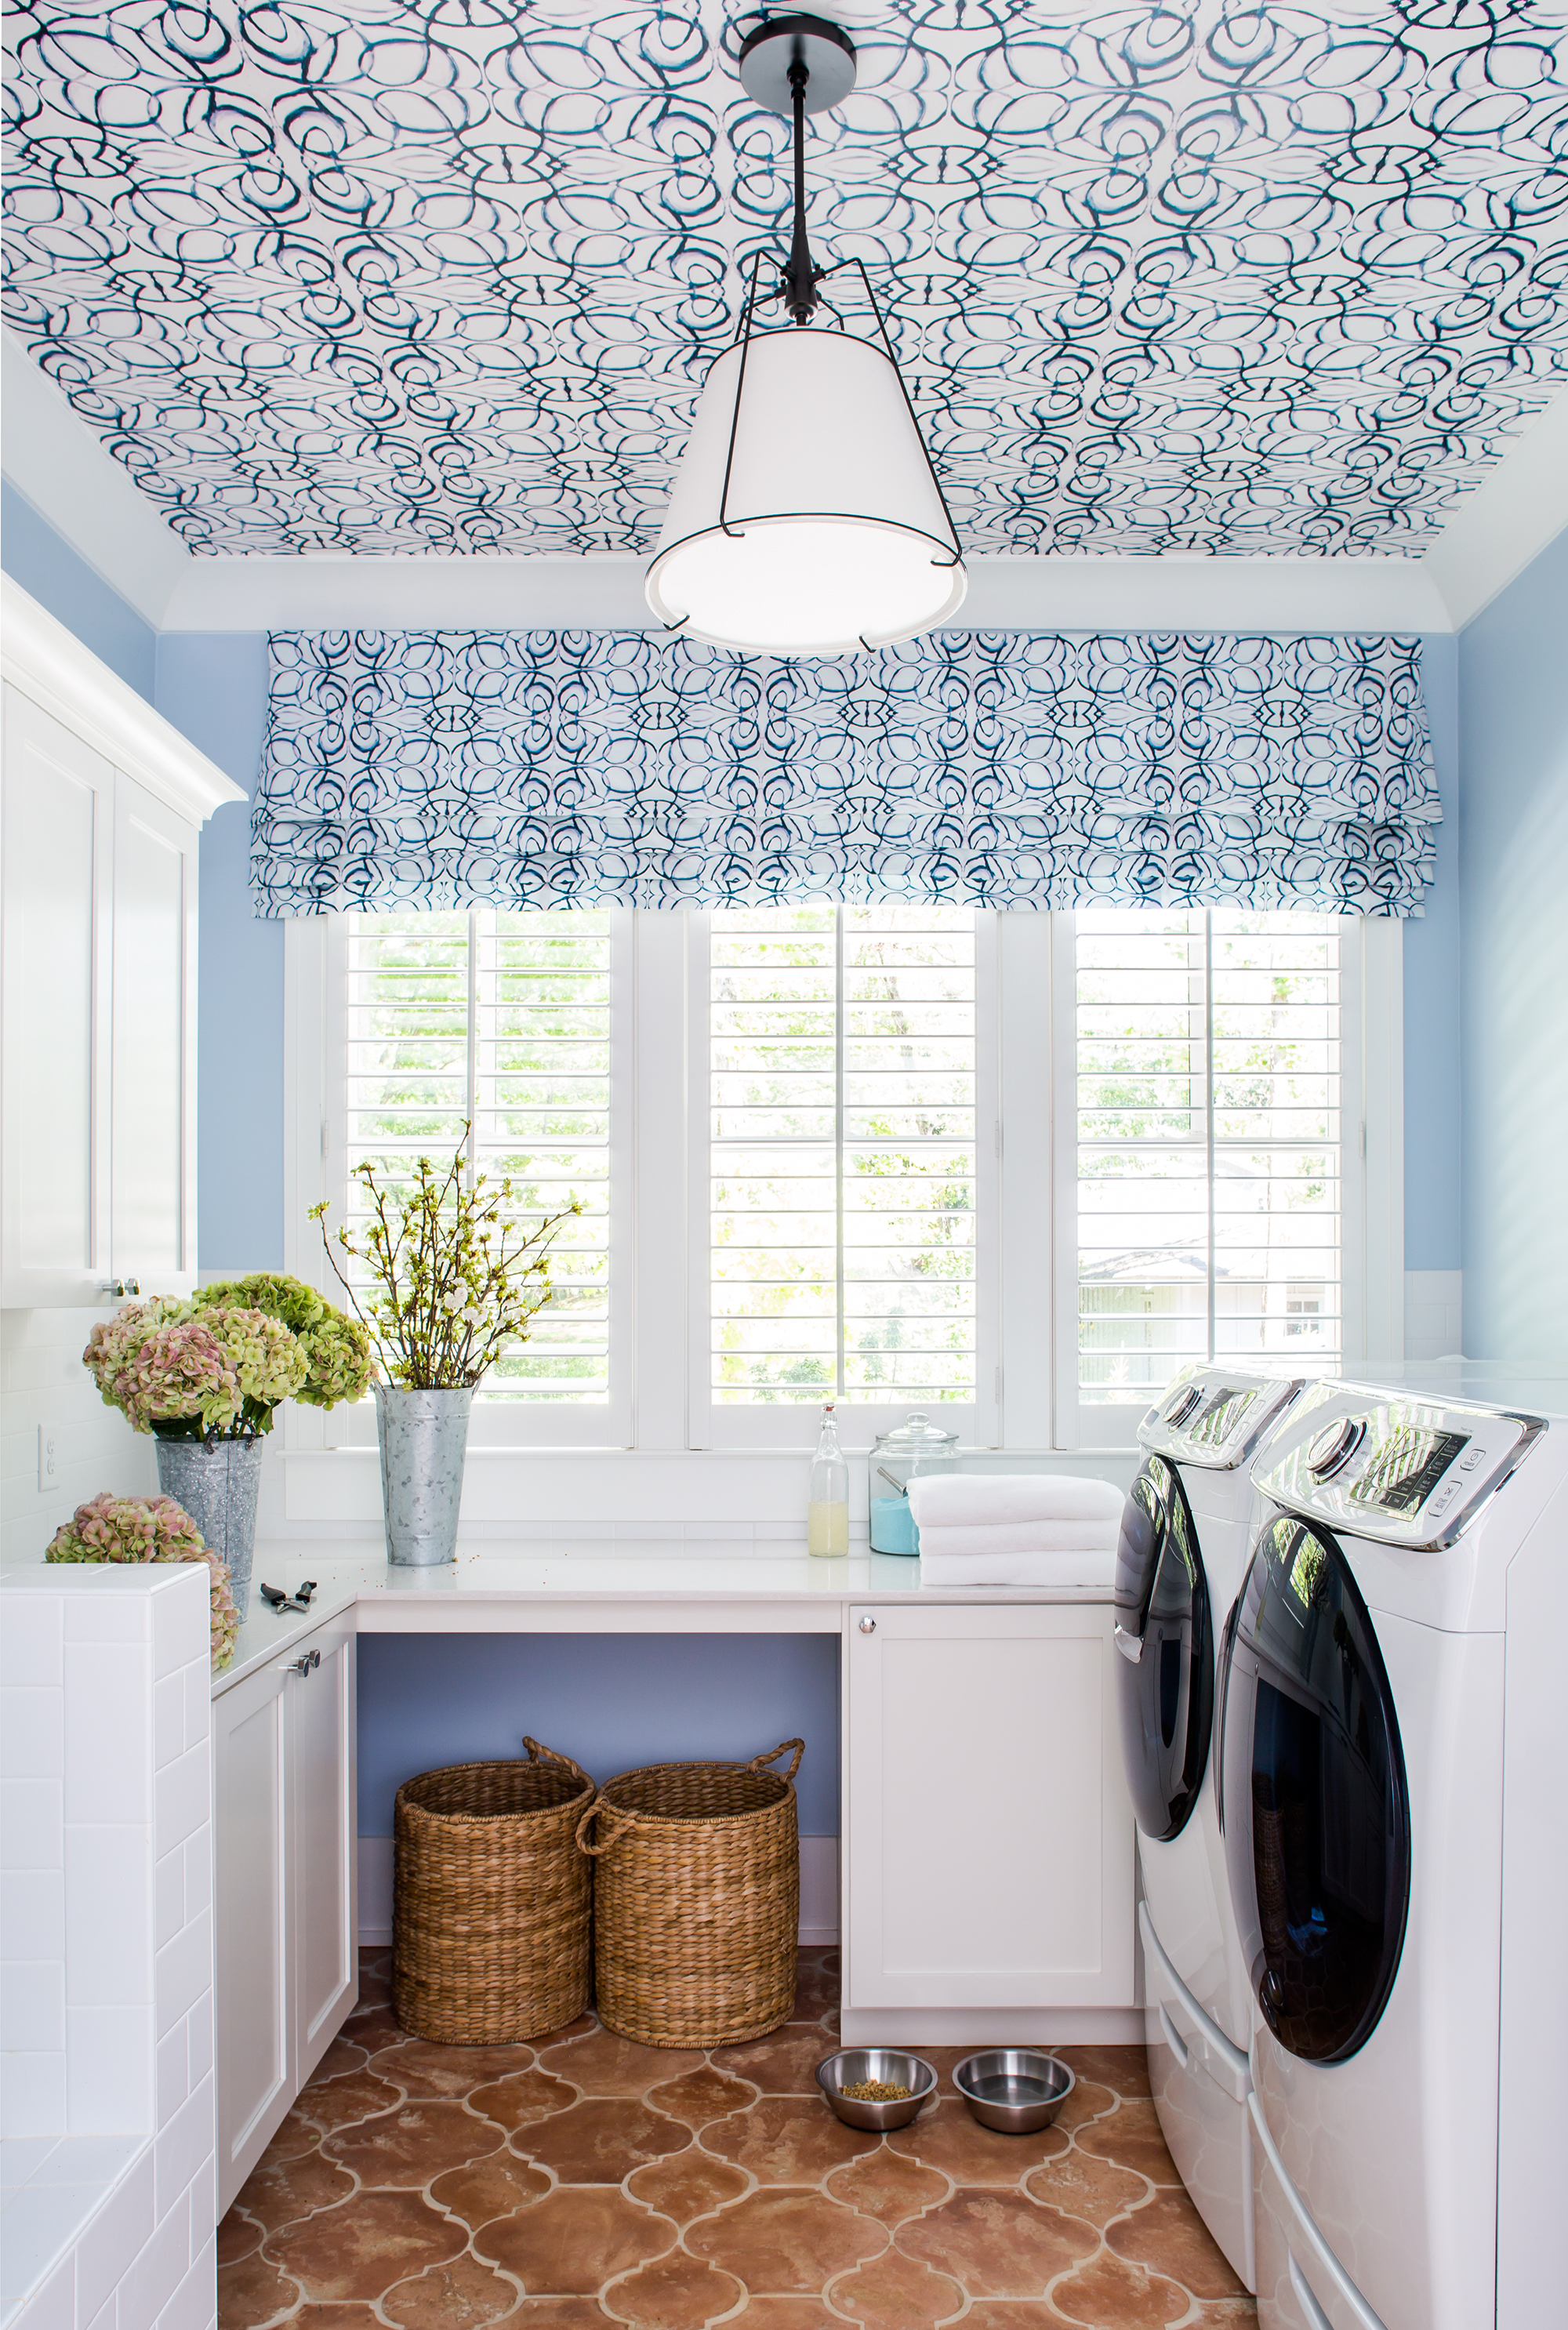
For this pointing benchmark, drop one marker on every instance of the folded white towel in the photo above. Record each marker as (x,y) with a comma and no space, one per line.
(1097,1536)
(1095,1569)
(1002,1500)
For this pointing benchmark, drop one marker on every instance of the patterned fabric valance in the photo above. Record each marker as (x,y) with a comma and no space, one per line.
(1002,769)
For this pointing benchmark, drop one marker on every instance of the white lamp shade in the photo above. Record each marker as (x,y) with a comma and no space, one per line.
(832,535)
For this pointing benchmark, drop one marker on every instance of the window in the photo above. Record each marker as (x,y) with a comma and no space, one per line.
(502,1021)
(842,1128)
(1209,1144)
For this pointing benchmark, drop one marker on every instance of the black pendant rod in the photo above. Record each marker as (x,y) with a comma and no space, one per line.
(799,288)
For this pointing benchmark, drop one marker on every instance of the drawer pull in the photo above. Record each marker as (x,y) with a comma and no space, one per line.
(306,1663)
(868,1626)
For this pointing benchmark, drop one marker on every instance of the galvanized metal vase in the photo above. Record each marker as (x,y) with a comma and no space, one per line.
(423,1437)
(216,1482)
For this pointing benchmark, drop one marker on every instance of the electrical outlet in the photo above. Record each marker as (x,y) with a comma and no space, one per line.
(50,1459)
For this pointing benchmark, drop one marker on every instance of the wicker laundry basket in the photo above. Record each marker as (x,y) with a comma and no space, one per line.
(697,1900)
(493,1903)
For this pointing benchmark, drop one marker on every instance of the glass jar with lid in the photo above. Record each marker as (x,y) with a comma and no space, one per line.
(917,1446)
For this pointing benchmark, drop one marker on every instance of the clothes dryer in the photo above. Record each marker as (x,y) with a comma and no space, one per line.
(1389,1753)
(1183,1547)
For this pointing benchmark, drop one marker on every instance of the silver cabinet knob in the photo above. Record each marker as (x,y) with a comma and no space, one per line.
(305,1663)
(868,1626)
(120,1287)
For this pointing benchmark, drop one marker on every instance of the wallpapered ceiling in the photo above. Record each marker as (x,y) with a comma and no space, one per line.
(443,275)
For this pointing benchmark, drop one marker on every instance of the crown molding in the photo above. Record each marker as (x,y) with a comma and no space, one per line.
(48,664)
(1507,520)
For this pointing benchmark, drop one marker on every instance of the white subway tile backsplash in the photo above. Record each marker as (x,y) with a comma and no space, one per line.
(89,2160)
(111,2083)
(31,1641)
(32,1732)
(109,1913)
(107,2314)
(118,2235)
(32,1914)
(184,1971)
(198,1681)
(159,2270)
(183,1796)
(32,1823)
(32,2007)
(168,1720)
(36,2226)
(54,2305)
(181,1619)
(188,2140)
(195,2305)
(168,1895)
(171,2073)
(107,1746)
(105,1610)
(32,2094)
(199,2038)
(23,2157)
(198,1850)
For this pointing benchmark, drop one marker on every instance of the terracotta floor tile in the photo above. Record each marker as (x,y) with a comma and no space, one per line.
(296,2135)
(893,2292)
(363,2247)
(700,2096)
(424,2069)
(782,2064)
(600,2139)
(579,2027)
(1110,2295)
(786,2241)
(816,1986)
(690,2185)
(1089,2101)
(238,2235)
(411,2145)
(883,2184)
(574,2239)
(345,2315)
(496,2187)
(677,2293)
(1130,2136)
(1226,2314)
(279,2194)
(999,2244)
(462,2295)
(1123,2069)
(343,2055)
(254,2292)
(601,2064)
(1012,2314)
(1170,2237)
(1095,2189)
(522,2098)
(337,2103)
(787,2140)
(563,2314)
(376,2029)
(948,2137)
(789,2313)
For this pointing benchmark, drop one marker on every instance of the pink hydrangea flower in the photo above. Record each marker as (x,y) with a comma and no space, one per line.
(150,1529)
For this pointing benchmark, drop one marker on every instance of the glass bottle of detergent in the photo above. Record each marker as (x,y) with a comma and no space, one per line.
(828,1500)
(915,1446)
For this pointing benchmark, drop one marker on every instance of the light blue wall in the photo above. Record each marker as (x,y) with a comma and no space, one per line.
(612,1701)
(1431,1000)
(1513,853)
(74,593)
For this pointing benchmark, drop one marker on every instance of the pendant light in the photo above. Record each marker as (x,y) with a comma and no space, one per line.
(805,517)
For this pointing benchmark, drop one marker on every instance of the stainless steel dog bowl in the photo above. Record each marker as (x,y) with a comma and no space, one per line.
(1014,2088)
(893,2068)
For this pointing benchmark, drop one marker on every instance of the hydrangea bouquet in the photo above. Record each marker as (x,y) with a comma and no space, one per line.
(148,1529)
(218,1365)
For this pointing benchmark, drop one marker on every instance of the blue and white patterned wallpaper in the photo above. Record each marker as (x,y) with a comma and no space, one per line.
(416,275)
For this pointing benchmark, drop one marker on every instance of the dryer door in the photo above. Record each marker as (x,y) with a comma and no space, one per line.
(1317,1820)
(1166,1674)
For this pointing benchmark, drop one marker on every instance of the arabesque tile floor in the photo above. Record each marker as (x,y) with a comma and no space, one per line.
(584,2181)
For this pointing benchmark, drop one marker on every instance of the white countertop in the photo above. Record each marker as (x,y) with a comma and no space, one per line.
(551,1590)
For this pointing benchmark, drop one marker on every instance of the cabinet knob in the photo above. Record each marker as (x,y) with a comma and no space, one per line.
(868,1626)
(120,1287)
(307,1662)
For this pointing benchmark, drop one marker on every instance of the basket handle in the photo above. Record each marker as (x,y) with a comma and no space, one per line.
(773,1755)
(623,1821)
(539,1754)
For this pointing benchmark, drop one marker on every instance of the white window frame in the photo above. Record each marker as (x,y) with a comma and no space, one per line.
(1371,1169)
(653,1463)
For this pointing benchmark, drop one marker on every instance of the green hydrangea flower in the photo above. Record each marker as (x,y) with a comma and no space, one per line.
(338,1348)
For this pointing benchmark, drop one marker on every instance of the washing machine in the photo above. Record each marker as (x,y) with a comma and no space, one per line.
(1389,1753)
(1183,1547)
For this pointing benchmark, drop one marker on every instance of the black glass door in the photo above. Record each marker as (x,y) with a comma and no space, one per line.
(1316,1815)
(1165,1674)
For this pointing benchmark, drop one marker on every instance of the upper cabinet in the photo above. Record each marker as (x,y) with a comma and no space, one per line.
(101,808)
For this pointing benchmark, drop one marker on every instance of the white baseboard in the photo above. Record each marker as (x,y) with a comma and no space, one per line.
(1433,1313)
(818,1889)
(991,2026)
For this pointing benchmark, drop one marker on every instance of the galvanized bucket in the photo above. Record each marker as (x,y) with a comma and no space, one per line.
(423,1436)
(217,1482)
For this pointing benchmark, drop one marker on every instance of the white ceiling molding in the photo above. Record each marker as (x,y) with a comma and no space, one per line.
(1519,508)
(56,462)
(48,664)
(604,591)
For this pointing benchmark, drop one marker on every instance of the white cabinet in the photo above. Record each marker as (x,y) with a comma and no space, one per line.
(103,808)
(283,1782)
(990,1835)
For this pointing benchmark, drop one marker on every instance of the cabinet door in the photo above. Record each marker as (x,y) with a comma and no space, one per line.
(257,2079)
(990,1837)
(322,1785)
(57,858)
(153,1228)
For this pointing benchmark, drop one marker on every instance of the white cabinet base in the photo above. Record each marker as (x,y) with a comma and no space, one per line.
(991,2026)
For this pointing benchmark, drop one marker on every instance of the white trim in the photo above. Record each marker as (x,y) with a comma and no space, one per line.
(1520,505)
(1382,966)
(49,665)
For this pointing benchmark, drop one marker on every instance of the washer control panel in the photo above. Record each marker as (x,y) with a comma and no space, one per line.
(1403,1470)
(1215,1417)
